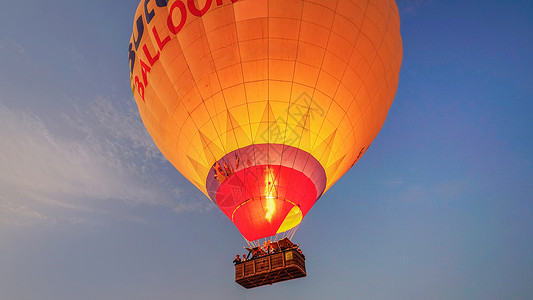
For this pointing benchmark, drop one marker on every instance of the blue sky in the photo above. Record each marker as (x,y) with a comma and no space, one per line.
(440,206)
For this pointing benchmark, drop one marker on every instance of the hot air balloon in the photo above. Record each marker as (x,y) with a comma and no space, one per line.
(264,104)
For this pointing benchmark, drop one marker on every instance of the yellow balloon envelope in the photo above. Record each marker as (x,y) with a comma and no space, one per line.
(264,104)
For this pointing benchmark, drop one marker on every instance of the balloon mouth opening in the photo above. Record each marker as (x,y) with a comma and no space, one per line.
(266,189)
(265,209)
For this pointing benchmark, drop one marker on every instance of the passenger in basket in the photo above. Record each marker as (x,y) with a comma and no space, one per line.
(300,251)
(267,247)
(237,260)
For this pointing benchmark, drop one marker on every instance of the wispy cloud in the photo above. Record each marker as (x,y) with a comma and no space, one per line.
(416,192)
(10,45)
(35,160)
(394,182)
(93,155)
(412,7)
(19,214)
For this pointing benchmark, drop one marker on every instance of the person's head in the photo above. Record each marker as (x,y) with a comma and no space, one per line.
(237,255)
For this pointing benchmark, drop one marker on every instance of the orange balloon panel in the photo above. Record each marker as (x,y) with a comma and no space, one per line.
(213,77)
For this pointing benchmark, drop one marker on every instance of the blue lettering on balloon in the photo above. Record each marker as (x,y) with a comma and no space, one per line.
(149,15)
(140,31)
(132,57)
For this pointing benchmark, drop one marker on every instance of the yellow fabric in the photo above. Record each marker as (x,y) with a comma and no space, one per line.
(292,220)
(314,74)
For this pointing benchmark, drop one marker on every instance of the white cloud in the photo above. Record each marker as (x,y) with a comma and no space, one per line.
(35,160)
(101,154)
(394,182)
(10,45)
(412,7)
(19,214)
